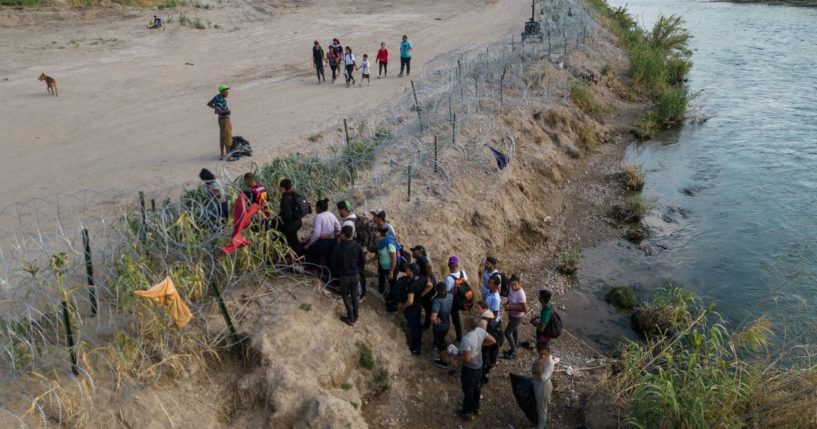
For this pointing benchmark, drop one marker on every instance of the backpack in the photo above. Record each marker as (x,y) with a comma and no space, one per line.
(495,330)
(398,294)
(463,292)
(240,147)
(403,258)
(302,207)
(504,284)
(363,232)
(554,327)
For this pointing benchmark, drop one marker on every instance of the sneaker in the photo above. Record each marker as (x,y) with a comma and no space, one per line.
(346,320)
(484,381)
(468,417)
(509,355)
(440,364)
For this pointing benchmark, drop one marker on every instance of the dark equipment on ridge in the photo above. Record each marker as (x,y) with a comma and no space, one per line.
(533,28)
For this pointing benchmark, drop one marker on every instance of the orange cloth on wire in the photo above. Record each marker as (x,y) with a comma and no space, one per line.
(165,293)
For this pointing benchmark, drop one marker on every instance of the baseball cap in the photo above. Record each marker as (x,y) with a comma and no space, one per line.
(418,248)
(222,88)
(491,260)
(383,230)
(345,204)
(381,214)
(453,261)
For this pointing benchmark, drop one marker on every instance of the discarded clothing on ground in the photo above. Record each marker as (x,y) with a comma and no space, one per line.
(522,388)
(165,294)
(240,147)
(242,216)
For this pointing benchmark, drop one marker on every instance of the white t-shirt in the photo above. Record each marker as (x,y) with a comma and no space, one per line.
(349,59)
(364,66)
(472,341)
(350,221)
(452,278)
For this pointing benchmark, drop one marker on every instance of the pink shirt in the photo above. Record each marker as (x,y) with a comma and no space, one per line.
(325,225)
(516,297)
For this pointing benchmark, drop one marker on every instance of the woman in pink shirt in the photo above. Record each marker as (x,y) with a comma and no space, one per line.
(516,306)
(325,227)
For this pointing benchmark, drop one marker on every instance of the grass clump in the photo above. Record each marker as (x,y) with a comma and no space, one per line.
(184,20)
(633,177)
(346,386)
(582,96)
(632,211)
(381,381)
(706,375)
(587,137)
(622,297)
(313,138)
(198,24)
(569,262)
(21,3)
(672,106)
(647,126)
(167,4)
(366,359)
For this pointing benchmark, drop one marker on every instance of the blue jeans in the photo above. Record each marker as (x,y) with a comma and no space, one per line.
(471,385)
(415,329)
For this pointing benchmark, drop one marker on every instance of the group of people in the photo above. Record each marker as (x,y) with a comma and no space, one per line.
(343,60)
(338,247)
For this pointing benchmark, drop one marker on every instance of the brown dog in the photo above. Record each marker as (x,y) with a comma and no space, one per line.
(51,84)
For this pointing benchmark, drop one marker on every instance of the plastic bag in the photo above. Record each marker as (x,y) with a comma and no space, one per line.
(522,388)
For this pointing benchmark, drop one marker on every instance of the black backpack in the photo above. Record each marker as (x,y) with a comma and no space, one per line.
(362,232)
(554,327)
(240,147)
(504,284)
(302,207)
(495,330)
(398,294)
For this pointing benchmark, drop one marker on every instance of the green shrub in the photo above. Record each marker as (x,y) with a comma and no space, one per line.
(672,106)
(677,70)
(587,137)
(198,25)
(582,96)
(647,126)
(381,382)
(622,297)
(167,4)
(184,20)
(21,3)
(346,386)
(669,35)
(648,67)
(366,358)
(632,211)
(569,262)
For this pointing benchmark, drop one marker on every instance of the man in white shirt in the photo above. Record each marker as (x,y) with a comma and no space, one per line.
(470,354)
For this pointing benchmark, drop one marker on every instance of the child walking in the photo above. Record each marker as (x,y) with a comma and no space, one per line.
(349,61)
(364,65)
(383,60)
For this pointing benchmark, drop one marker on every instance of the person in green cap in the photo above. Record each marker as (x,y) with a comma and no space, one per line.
(225,127)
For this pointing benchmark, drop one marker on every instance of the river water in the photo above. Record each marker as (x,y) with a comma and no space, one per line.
(735,197)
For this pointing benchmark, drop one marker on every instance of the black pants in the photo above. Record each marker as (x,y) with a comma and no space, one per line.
(426,302)
(319,71)
(405,63)
(382,276)
(334,71)
(384,69)
(455,318)
(348,290)
(350,68)
(471,385)
(415,330)
(489,356)
(512,332)
(320,252)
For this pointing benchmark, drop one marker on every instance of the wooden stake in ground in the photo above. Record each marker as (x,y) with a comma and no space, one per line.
(89,271)
(417,105)
(408,193)
(435,153)
(346,130)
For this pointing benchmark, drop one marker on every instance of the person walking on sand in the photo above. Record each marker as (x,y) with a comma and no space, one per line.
(470,354)
(517,307)
(225,126)
(317,60)
(455,274)
(364,65)
(541,370)
(382,60)
(334,62)
(405,56)
(348,261)
(216,191)
(349,62)
(440,322)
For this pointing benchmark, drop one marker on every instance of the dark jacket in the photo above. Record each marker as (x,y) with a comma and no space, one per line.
(347,259)
(290,221)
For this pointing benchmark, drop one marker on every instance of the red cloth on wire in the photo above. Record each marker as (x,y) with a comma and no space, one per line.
(242,216)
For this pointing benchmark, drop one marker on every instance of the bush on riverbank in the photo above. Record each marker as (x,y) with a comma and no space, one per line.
(699,376)
(659,63)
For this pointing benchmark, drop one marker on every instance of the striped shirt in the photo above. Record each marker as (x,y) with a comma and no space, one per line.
(220,102)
